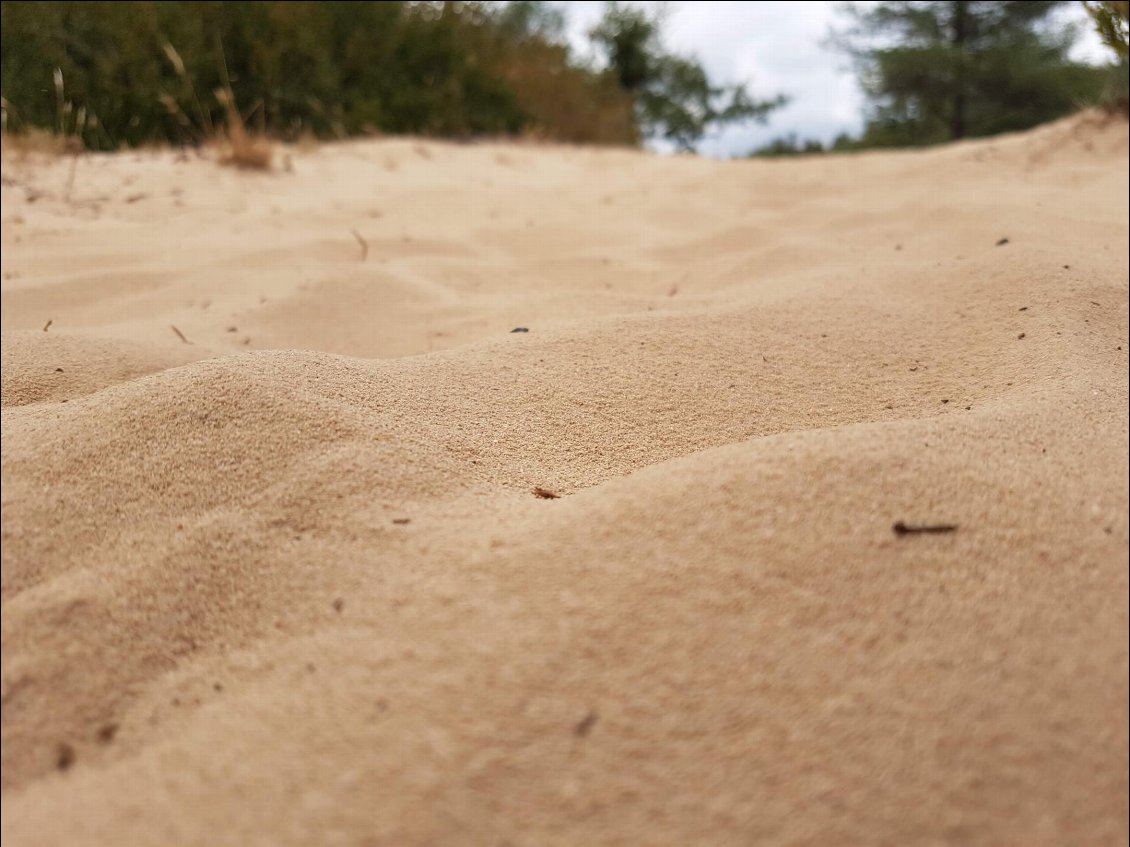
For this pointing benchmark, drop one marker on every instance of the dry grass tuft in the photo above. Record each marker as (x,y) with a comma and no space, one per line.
(243,150)
(65,139)
(40,142)
(239,148)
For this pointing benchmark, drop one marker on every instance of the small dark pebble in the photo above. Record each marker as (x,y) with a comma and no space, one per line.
(1067,267)
(1022,335)
(58,370)
(107,732)
(65,756)
(232,329)
(584,727)
(1023,308)
(339,604)
(520,329)
(401,521)
(1002,242)
(967,408)
(945,401)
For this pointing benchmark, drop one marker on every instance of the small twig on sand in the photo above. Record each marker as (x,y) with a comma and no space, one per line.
(364,244)
(545,494)
(180,334)
(71,179)
(47,325)
(902,528)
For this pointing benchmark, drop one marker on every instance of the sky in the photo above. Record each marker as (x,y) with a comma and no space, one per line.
(776,47)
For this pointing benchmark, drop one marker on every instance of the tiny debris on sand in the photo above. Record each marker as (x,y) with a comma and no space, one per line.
(364,244)
(902,528)
(64,756)
(585,725)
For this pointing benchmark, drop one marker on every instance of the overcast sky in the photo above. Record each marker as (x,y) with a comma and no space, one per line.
(778,47)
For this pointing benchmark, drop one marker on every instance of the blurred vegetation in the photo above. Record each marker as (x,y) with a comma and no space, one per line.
(109,74)
(674,98)
(118,73)
(792,145)
(939,71)
(330,68)
(1112,21)
(950,69)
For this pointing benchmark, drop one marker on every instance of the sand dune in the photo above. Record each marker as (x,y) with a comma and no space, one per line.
(273,571)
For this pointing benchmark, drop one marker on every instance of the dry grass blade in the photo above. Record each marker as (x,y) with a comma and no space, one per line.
(180,334)
(175,59)
(244,150)
(183,121)
(178,65)
(364,244)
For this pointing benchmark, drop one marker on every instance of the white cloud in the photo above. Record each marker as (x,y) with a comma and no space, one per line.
(776,47)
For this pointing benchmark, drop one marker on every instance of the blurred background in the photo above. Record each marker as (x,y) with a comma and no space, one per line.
(725,79)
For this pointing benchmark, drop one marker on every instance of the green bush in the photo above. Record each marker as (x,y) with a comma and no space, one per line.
(144,72)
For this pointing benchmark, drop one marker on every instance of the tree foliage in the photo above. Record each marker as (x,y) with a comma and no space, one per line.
(1112,20)
(949,69)
(674,97)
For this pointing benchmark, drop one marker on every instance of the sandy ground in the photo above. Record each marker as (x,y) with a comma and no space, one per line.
(286,581)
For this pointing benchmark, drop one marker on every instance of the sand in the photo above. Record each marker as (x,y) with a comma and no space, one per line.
(278,576)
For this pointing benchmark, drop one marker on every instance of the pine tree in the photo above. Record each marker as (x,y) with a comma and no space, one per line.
(950,69)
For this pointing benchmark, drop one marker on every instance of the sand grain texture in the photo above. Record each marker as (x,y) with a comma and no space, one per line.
(286,581)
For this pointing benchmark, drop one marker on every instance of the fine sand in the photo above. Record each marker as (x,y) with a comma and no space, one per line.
(279,576)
